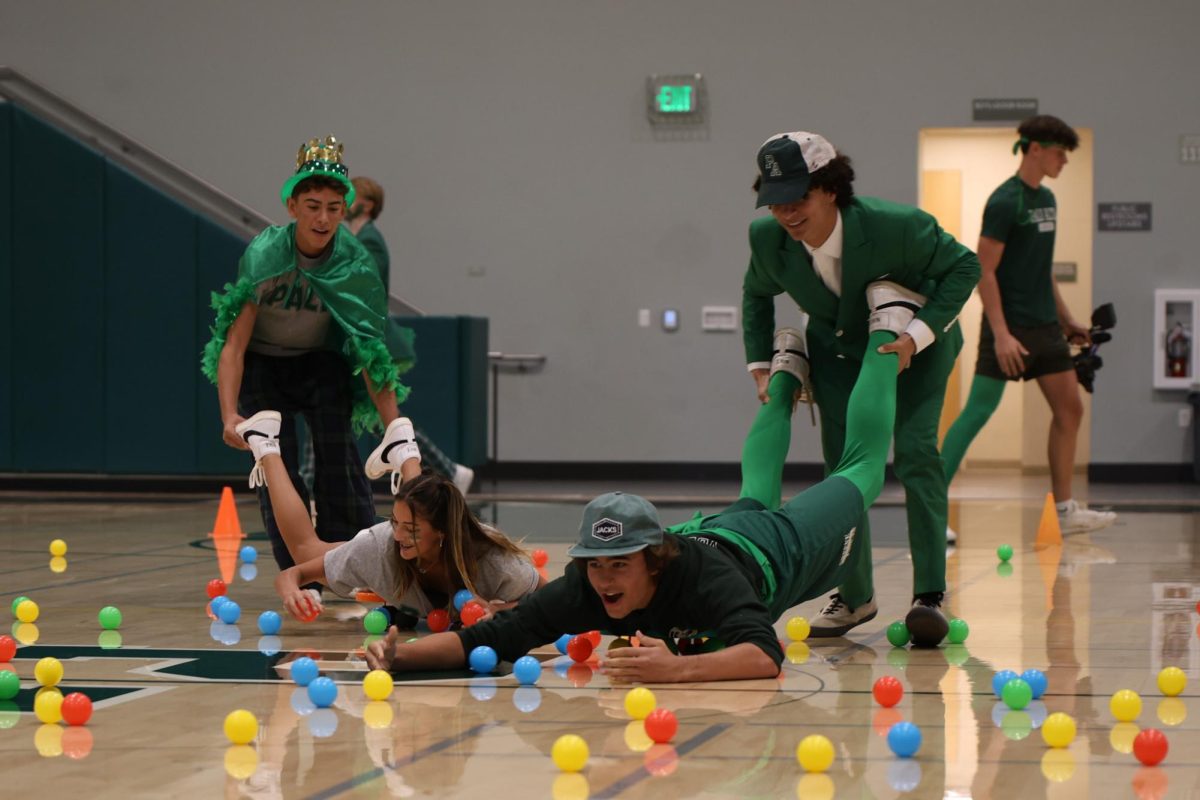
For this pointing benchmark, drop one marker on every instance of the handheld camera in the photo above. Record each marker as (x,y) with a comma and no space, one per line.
(1087,360)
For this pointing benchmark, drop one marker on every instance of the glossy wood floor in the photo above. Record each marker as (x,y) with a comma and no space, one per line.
(1102,612)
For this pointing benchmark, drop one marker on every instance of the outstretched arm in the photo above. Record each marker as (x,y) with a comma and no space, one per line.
(437,651)
(653,662)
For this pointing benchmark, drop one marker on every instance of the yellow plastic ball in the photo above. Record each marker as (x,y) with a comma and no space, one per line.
(378,684)
(240,761)
(47,707)
(1121,737)
(58,565)
(815,753)
(241,726)
(1125,705)
(636,738)
(570,753)
(49,671)
(1058,765)
(798,629)
(1171,711)
(1058,730)
(378,715)
(814,786)
(797,652)
(48,741)
(639,702)
(1172,681)
(28,611)
(58,548)
(570,786)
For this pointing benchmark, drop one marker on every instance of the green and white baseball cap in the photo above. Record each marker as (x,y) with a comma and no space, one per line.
(617,524)
(786,162)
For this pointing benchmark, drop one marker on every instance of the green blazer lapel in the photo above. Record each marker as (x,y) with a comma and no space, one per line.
(857,272)
(801,282)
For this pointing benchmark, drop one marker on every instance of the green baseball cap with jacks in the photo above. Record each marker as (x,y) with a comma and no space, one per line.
(323,158)
(617,524)
(786,162)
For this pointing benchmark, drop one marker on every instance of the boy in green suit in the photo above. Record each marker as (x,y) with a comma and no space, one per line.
(823,245)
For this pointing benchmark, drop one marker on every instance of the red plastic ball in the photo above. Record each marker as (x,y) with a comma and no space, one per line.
(471,613)
(593,637)
(438,620)
(8,648)
(216,588)
(661,725)
(1150,746)
(312,613)
(887,691)
(540,558)
(579,648)
(76,708)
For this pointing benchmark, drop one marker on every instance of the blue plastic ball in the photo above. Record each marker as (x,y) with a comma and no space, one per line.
(1036,680)
(230,612)
(269,623)
(217,602)
(1000,678)
(249,554)
(461,597)
(322,691)
(905,739)
(561,644)
(304,671)
(527,670)
(483,659)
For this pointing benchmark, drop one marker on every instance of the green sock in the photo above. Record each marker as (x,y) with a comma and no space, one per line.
(870,419)
(981,404)
(766,446)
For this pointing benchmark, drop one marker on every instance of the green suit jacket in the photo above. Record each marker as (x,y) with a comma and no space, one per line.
(881,241)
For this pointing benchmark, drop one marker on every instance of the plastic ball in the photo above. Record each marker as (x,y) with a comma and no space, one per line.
(230,612)
(8,647)
(999,679)
(376,622)
(28,611)
(579,648)
(661,725)
(216,588)
(798,629)
(248,554)
(76,708)
(639,702)
(461,598)
(483,659)
(959,630)
(58,548)
(540,557)
(241,726)
(109,618)
(1005,552)
(1016,694)
(1058,730)
(593,637)
(904,739)
(887,691)
(897,634)
(1150,746)
(471,613)
(1172,681)
(570,753)
(814,753)
(527,670)
(561,643)
(1037,682)
(322,691)
(48,671)
(269,623)
(10,684)
(378,684)
(304,671)
(47,706)
(1125,705)
(438,620)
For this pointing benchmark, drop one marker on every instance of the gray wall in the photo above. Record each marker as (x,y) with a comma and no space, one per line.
(513,141)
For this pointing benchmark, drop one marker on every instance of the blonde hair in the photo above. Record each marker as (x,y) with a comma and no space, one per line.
(368,189)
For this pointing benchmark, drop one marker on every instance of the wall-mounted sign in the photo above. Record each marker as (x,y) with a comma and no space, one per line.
(1123,217)
(1065,271)
(996,109)
(676,98)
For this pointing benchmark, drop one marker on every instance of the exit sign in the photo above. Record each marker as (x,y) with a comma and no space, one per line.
(675,98)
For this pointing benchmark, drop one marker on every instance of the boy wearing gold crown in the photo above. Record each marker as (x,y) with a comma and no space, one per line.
(306,315)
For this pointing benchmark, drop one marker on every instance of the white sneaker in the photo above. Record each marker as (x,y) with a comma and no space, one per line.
(892,306)
(791,355)
(399,444)
(951,535)
(1076,517)
(837,618)
(463,478)
(261,434)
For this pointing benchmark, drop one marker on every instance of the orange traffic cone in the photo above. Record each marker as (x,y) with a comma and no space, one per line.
(1048,533)
(227,525)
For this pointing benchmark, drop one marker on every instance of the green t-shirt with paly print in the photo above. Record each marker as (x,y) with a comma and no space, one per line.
(1025,220)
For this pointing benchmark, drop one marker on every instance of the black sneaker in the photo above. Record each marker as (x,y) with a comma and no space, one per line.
(926,623)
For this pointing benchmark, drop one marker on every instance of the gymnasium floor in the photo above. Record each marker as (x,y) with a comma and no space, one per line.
(1100,612)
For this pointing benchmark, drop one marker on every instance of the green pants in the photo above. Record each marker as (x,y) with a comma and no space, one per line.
(920,391)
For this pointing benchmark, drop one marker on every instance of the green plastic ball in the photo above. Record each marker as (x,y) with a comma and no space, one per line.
(16,602)
(110,618)
(1005,552)
(1016,694)
(375,622)
(958,631)
(10,684)
(897,634)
